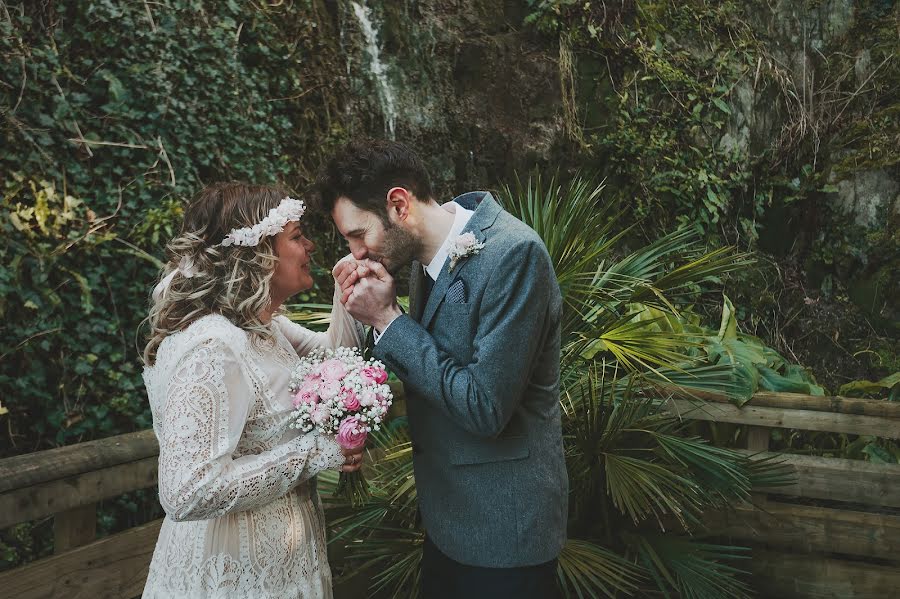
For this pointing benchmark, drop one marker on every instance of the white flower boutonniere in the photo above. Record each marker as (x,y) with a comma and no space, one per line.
(465,245)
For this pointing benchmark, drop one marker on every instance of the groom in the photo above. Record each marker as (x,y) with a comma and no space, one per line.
(478,354)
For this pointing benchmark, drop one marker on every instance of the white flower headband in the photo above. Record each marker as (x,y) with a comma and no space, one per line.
(289,210)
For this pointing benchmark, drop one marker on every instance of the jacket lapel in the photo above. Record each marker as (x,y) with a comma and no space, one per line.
(416,291)
(485,214)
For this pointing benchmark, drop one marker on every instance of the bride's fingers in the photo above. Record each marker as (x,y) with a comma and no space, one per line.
(352,453)
(343,268)
(349,281)
(353,459)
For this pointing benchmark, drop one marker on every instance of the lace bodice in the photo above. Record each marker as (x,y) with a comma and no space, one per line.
(234,478)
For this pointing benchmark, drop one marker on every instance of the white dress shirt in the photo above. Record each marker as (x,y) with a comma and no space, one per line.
(433,270)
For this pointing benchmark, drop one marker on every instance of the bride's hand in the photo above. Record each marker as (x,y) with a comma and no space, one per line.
(348,271)
(352,459)
(344,274)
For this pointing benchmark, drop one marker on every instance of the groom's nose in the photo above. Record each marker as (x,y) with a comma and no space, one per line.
(359,251)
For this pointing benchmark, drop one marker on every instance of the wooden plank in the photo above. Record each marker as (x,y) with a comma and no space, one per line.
(44,466)
(792,576)
(799,401)
(57,496)
(837,404)
(111,568)
(758,440)
(810,529)
(74,528)
(838,479)
(784,418)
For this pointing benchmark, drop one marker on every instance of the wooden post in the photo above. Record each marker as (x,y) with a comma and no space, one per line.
(74,528)
(758,440)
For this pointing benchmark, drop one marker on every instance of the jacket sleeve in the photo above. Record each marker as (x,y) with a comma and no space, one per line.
(514,319)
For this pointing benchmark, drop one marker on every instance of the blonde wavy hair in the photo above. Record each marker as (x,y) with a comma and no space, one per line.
(233,281)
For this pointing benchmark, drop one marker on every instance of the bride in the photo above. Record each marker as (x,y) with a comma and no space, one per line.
(243,518)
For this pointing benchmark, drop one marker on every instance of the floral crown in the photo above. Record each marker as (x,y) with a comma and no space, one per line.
(287,211)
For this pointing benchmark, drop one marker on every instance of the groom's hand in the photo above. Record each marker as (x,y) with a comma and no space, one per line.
(373,298)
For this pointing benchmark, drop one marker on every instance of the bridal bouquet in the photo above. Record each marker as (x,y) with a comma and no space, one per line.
(337,392)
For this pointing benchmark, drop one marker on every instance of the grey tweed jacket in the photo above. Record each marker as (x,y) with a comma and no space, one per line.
(480,365)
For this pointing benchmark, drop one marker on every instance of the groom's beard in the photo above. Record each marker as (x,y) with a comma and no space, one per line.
(400,248)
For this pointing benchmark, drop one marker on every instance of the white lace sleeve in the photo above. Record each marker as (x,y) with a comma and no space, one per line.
(343,330)
(206,407)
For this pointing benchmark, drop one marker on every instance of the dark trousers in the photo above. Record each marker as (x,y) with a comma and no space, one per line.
(444,578)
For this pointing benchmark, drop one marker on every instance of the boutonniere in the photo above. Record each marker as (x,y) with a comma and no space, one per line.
(465,245)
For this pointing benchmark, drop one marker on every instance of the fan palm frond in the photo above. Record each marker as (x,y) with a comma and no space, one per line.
(573,220)
(641,489)
(394,558)
(588,569)
(722,472)
(635,344)
(692,569)
(313,316)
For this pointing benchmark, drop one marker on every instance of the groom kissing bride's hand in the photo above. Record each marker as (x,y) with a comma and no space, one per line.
(478,354)
(368,292)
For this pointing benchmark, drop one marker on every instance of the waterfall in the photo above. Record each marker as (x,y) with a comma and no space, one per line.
(376,67)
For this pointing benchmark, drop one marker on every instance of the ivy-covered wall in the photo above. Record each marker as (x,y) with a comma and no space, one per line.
(113,114)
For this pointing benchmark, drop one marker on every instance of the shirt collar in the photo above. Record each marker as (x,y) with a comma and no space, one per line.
(460,220)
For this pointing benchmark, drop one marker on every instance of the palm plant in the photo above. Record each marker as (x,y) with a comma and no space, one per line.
(639,481)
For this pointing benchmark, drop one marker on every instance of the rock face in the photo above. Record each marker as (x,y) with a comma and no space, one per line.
(871,197)
(480,95)
(477,96)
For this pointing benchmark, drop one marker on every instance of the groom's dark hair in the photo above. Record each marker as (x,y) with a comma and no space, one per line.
(363,171)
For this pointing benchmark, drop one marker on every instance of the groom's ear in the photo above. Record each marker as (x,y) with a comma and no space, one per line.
(398,203)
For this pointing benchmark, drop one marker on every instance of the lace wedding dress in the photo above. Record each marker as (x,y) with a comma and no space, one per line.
(243,518)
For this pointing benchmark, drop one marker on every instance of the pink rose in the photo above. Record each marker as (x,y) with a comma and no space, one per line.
(380,376)
(332,370)
(329,390)
(349,435)
(349,399)
(368,375)
(306,395)
(313,377)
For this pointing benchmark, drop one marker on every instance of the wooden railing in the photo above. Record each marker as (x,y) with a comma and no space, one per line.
(67,483)
(834,532)
(851,548)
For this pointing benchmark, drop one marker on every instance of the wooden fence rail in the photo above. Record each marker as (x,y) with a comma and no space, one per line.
(847,548)
(67,483)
